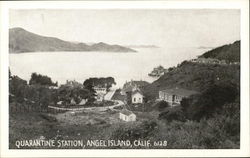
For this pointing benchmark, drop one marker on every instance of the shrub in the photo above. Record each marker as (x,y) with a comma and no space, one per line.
(171,114)
(209,102)
(160,106)
(41,80)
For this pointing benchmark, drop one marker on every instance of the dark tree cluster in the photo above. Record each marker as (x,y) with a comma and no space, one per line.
(66,94)
(101,82)
(38,95)
(41,80)
(209,102)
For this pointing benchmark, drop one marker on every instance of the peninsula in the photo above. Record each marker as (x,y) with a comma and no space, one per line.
(21,41)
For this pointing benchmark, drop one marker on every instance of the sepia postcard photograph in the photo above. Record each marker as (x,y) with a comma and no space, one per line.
(125,79)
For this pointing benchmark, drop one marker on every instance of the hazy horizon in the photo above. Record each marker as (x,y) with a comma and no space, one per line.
(178,33)
(164,28)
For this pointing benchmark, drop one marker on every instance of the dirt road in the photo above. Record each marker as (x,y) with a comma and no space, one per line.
(119,103)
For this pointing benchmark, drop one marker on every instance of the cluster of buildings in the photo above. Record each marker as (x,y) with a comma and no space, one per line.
(158,71)
(101,91)
(133,92)
(212,61)
(134,95)
(208,61)
(73,84)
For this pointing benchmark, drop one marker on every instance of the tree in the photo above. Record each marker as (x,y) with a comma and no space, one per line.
(17,87)
(160,106)
(171,114)
(209,102)
(41,80)
(102,82)
(66,93)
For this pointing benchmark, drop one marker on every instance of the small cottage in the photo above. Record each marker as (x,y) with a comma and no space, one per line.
(137,97)
(72,102)
(127,115)
(59,103)
(83,101)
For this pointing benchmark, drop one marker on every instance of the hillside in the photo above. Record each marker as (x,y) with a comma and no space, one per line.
(21,40)
(197,76)
(230,52)
(194,76)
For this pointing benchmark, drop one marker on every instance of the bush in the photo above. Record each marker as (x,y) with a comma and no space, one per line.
(209,102)
(160,106)
(41,80)
(134,131)
(171,114)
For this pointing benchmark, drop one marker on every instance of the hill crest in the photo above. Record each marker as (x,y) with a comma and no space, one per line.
(21,40)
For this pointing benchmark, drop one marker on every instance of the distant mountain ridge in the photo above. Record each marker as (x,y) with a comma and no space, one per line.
(21,41)
(142,46)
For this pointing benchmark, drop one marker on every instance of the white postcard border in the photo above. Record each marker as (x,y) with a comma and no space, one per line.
(243,5)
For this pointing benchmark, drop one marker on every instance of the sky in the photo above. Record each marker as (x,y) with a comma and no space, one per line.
(164,28)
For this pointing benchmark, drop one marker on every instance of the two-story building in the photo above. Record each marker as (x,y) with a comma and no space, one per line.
(174,96)
(101,91)
(137,97)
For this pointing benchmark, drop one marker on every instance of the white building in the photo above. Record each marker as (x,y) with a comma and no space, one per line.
(72,102)
(127,115)
(128,86)
(83,101)
(99,90)
(137,97)
(99,97)
(100,93)
(174,96)
(59,103)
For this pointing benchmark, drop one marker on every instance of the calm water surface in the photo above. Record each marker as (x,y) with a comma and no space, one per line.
(62,66)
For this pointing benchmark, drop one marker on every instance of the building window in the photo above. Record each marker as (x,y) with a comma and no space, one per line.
(134,99)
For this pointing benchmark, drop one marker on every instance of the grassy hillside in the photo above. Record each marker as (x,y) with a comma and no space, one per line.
(195,76)
(230,52)
(21,40)
(199,76)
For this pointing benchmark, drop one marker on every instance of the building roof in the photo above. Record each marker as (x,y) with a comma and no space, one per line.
(140,83)
(99,86)
(137,91)
(135,83)
(180,91)
(73,84)
(128,88)
(126,112)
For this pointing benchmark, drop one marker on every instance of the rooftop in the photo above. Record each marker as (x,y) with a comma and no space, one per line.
(135,83)
(180,91)
(128,89)
(136,91)
(126,112)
